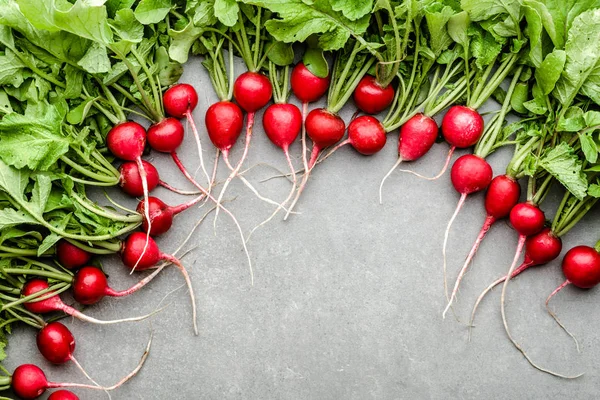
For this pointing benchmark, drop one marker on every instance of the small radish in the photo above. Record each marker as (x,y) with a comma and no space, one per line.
(417,136)
(71,256)
(224,122)
(127,141)
(365,134)
(90,286)
(370,97)
(469,174)
(166,136)
(29,382)
(502,195)
(57,344)
(179,101)
(54,303)
(140,252)
(131,181)
(308,87)
(161,214)
(63,395)
(325,129)
(252,91)
(581,268)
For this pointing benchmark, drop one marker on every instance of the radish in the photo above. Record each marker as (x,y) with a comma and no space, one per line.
(127,141)
(365,134)
(307,86)
(252,91)
(469,174)
(502,195)
(140,252)
(50,302)
(581,268)
(131,181)
(166,136)
(57,344)
(90,285)
(71,256)
(63,395)
(179,101)
(417,136)
(371,97)
(161,214)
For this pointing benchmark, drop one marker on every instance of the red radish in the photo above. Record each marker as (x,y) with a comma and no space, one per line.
(131,181)
(370,97)
(224,123)
(90,285)
(581,267)
(63,395)
(179,101)
(252,91)
(417,136)
(57,344)
(366,135)
(166,136)
(527,219)
(469,174)
(54,303)
(71,256)
(161,214)
(308,87)
(502,195)
(462,127)
(325,129)
(140,252)
(127,141)
(29,382)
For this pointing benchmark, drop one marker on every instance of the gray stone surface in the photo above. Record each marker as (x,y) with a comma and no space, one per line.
(347,298)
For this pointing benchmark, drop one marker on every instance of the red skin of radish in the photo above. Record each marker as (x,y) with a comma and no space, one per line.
(527,219)
(366,135)
(462,126)
(370,97)
(282,124)
(71,256)
(502,195)
(252,91)
(179,99)
(89,285)
(417,136)
(133,248)
(581,267)
(40,307)
(166,136)
(542,248)
(131,182)
(161,214)
(470,174)
(127,140)
(56,343)
(29,381)
(224,122)
(324,128)
(63,395)
(307,87)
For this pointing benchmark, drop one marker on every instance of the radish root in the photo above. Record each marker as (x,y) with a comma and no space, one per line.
(439,175)
(385,178)
(553,315)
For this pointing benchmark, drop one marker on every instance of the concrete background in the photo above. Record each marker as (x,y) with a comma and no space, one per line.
(347,298)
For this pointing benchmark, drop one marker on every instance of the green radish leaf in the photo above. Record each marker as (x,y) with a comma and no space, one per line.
(550,70)
(127,27)
(458,26)
(352,9)
(315,62)
(535,28)
(572,121)
(227,11)
(519,97)
(5,105)
(182,41)
(299,19)
(12,69)
(439,39)
(563,163)
(152,11)
(280,53)
(594,190)
(592,118)
(33,140)
(481,10)
(581,57)
(563,14)
(113,6)
(78,114)
(204,14)
(589,148)
(10,218)
(95,60)
(484,48)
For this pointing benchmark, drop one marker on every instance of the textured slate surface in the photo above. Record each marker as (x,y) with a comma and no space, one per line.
(347,297)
